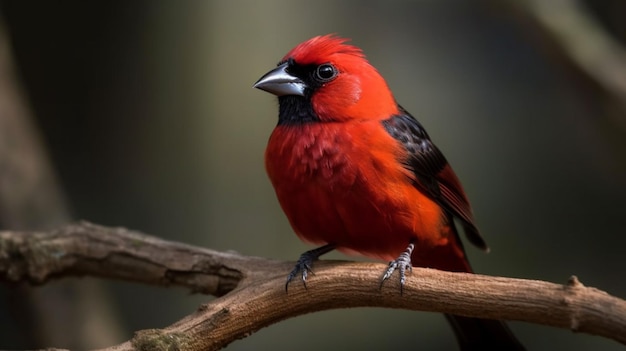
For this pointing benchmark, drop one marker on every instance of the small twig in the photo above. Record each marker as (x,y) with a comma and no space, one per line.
(253,294)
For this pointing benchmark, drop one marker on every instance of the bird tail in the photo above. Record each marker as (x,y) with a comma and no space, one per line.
(483,334)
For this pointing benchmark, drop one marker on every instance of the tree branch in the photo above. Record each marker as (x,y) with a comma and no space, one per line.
(253,294)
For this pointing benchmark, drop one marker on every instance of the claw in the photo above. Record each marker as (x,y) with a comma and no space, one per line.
(303,265)
(305,262)
(402,264)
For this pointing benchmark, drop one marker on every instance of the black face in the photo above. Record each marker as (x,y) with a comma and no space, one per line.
(294,109)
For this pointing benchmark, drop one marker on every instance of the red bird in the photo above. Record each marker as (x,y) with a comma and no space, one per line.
(354,171)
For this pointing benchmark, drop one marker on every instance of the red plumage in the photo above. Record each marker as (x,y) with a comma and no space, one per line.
(354,171)
(344,185)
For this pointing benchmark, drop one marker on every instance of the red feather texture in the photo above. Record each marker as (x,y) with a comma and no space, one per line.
(358,93)
(322,48)
(344,184)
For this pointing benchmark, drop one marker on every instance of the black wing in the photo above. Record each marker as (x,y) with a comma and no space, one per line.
(433,174)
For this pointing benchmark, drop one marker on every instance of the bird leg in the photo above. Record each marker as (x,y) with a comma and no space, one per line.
(305,261)
(402,263)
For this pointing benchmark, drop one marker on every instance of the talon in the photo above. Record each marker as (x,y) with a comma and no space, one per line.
(389,272)
(402,263)
(305,262)
(301,266)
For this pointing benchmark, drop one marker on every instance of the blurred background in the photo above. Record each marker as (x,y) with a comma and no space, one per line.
(142,114)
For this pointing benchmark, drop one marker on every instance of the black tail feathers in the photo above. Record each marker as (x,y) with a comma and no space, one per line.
(483,334)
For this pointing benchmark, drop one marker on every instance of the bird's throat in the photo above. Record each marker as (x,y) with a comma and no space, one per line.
(295,110)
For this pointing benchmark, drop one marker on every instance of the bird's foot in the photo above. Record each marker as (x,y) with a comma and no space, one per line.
(303,266)
(402,264)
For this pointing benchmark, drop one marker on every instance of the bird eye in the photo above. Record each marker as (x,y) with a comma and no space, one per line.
(325,72)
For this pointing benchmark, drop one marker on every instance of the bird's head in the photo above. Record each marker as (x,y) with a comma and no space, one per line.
(326,80)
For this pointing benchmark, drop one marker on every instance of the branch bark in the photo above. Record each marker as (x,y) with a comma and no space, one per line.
(253,295)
